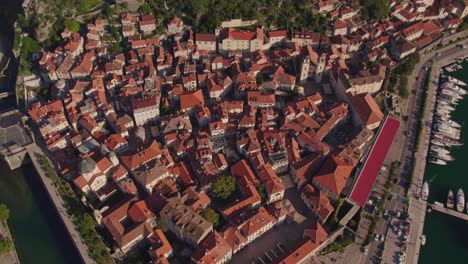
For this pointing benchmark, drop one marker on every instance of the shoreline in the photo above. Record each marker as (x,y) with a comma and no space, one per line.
(58,204)
(417,207)
(12,254)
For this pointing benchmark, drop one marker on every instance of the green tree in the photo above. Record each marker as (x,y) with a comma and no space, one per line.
(262,192)
(87,5)
(124,5)
(5,246)
(223,187)
(259,79)
(377,9)
(72,25)
(403,88)
(211,215)
(4,213)
(108,11)
(165,108)
(161,225)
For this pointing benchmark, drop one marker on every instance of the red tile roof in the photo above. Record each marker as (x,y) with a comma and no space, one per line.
(316,233)
(212,249)
(191,99)
(333,174)
(135,160)
(371,168)
(205,37)
(367,109)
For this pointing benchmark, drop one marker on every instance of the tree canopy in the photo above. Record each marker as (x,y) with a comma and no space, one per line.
(206,15)
(72,25)
(223,187)
(262,192)
(211,216)
(377,9)
(4,212)
(5,246)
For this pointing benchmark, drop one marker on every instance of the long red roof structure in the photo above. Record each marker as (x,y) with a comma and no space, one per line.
(368,174)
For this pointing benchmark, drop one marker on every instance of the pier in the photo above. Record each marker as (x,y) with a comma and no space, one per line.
(449,211)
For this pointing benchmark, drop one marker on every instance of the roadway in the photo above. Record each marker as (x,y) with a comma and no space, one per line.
(417,208)
(403,150)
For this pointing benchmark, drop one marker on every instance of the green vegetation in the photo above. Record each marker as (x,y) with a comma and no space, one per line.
(339,204)
(262,192)
(353,224)
(403,89)
(407,67)
(84,6)
(211,215)
(165,108)
(161,225)
(206,15)
(259,79)
(79,214)
(340,244)
(223,187)
(377,218)
(4,212)
(377,9)
(419,125)
(402,72)
(124,5)
(16,41)
(5,246)
(72,25)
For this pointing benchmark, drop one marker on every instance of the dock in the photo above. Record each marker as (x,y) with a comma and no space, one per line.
(449,211)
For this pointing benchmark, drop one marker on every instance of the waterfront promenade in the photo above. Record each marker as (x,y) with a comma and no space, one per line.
(417,207)
(35,152)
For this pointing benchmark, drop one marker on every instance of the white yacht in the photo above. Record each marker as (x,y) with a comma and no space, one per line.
(455,81)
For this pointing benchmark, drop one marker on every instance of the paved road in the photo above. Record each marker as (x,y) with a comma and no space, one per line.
(35,152)
(403,150)
(417,207)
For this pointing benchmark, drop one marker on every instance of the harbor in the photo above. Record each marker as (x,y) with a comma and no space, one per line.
(446,132)
(445,227)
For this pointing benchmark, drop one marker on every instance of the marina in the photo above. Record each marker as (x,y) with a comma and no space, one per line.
(446,229)
(446,132)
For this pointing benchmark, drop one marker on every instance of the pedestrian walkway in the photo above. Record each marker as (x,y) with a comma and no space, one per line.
(417,207)
(10,257)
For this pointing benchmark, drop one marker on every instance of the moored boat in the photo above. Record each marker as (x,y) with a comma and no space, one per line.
(425,191)
(453,124)
(439,150)
(455,81)
(437,143)
(450,200)
(438,162)
(454,87)
(460,200)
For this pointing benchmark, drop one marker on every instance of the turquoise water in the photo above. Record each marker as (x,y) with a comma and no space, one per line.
(36,229)
(446,235)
